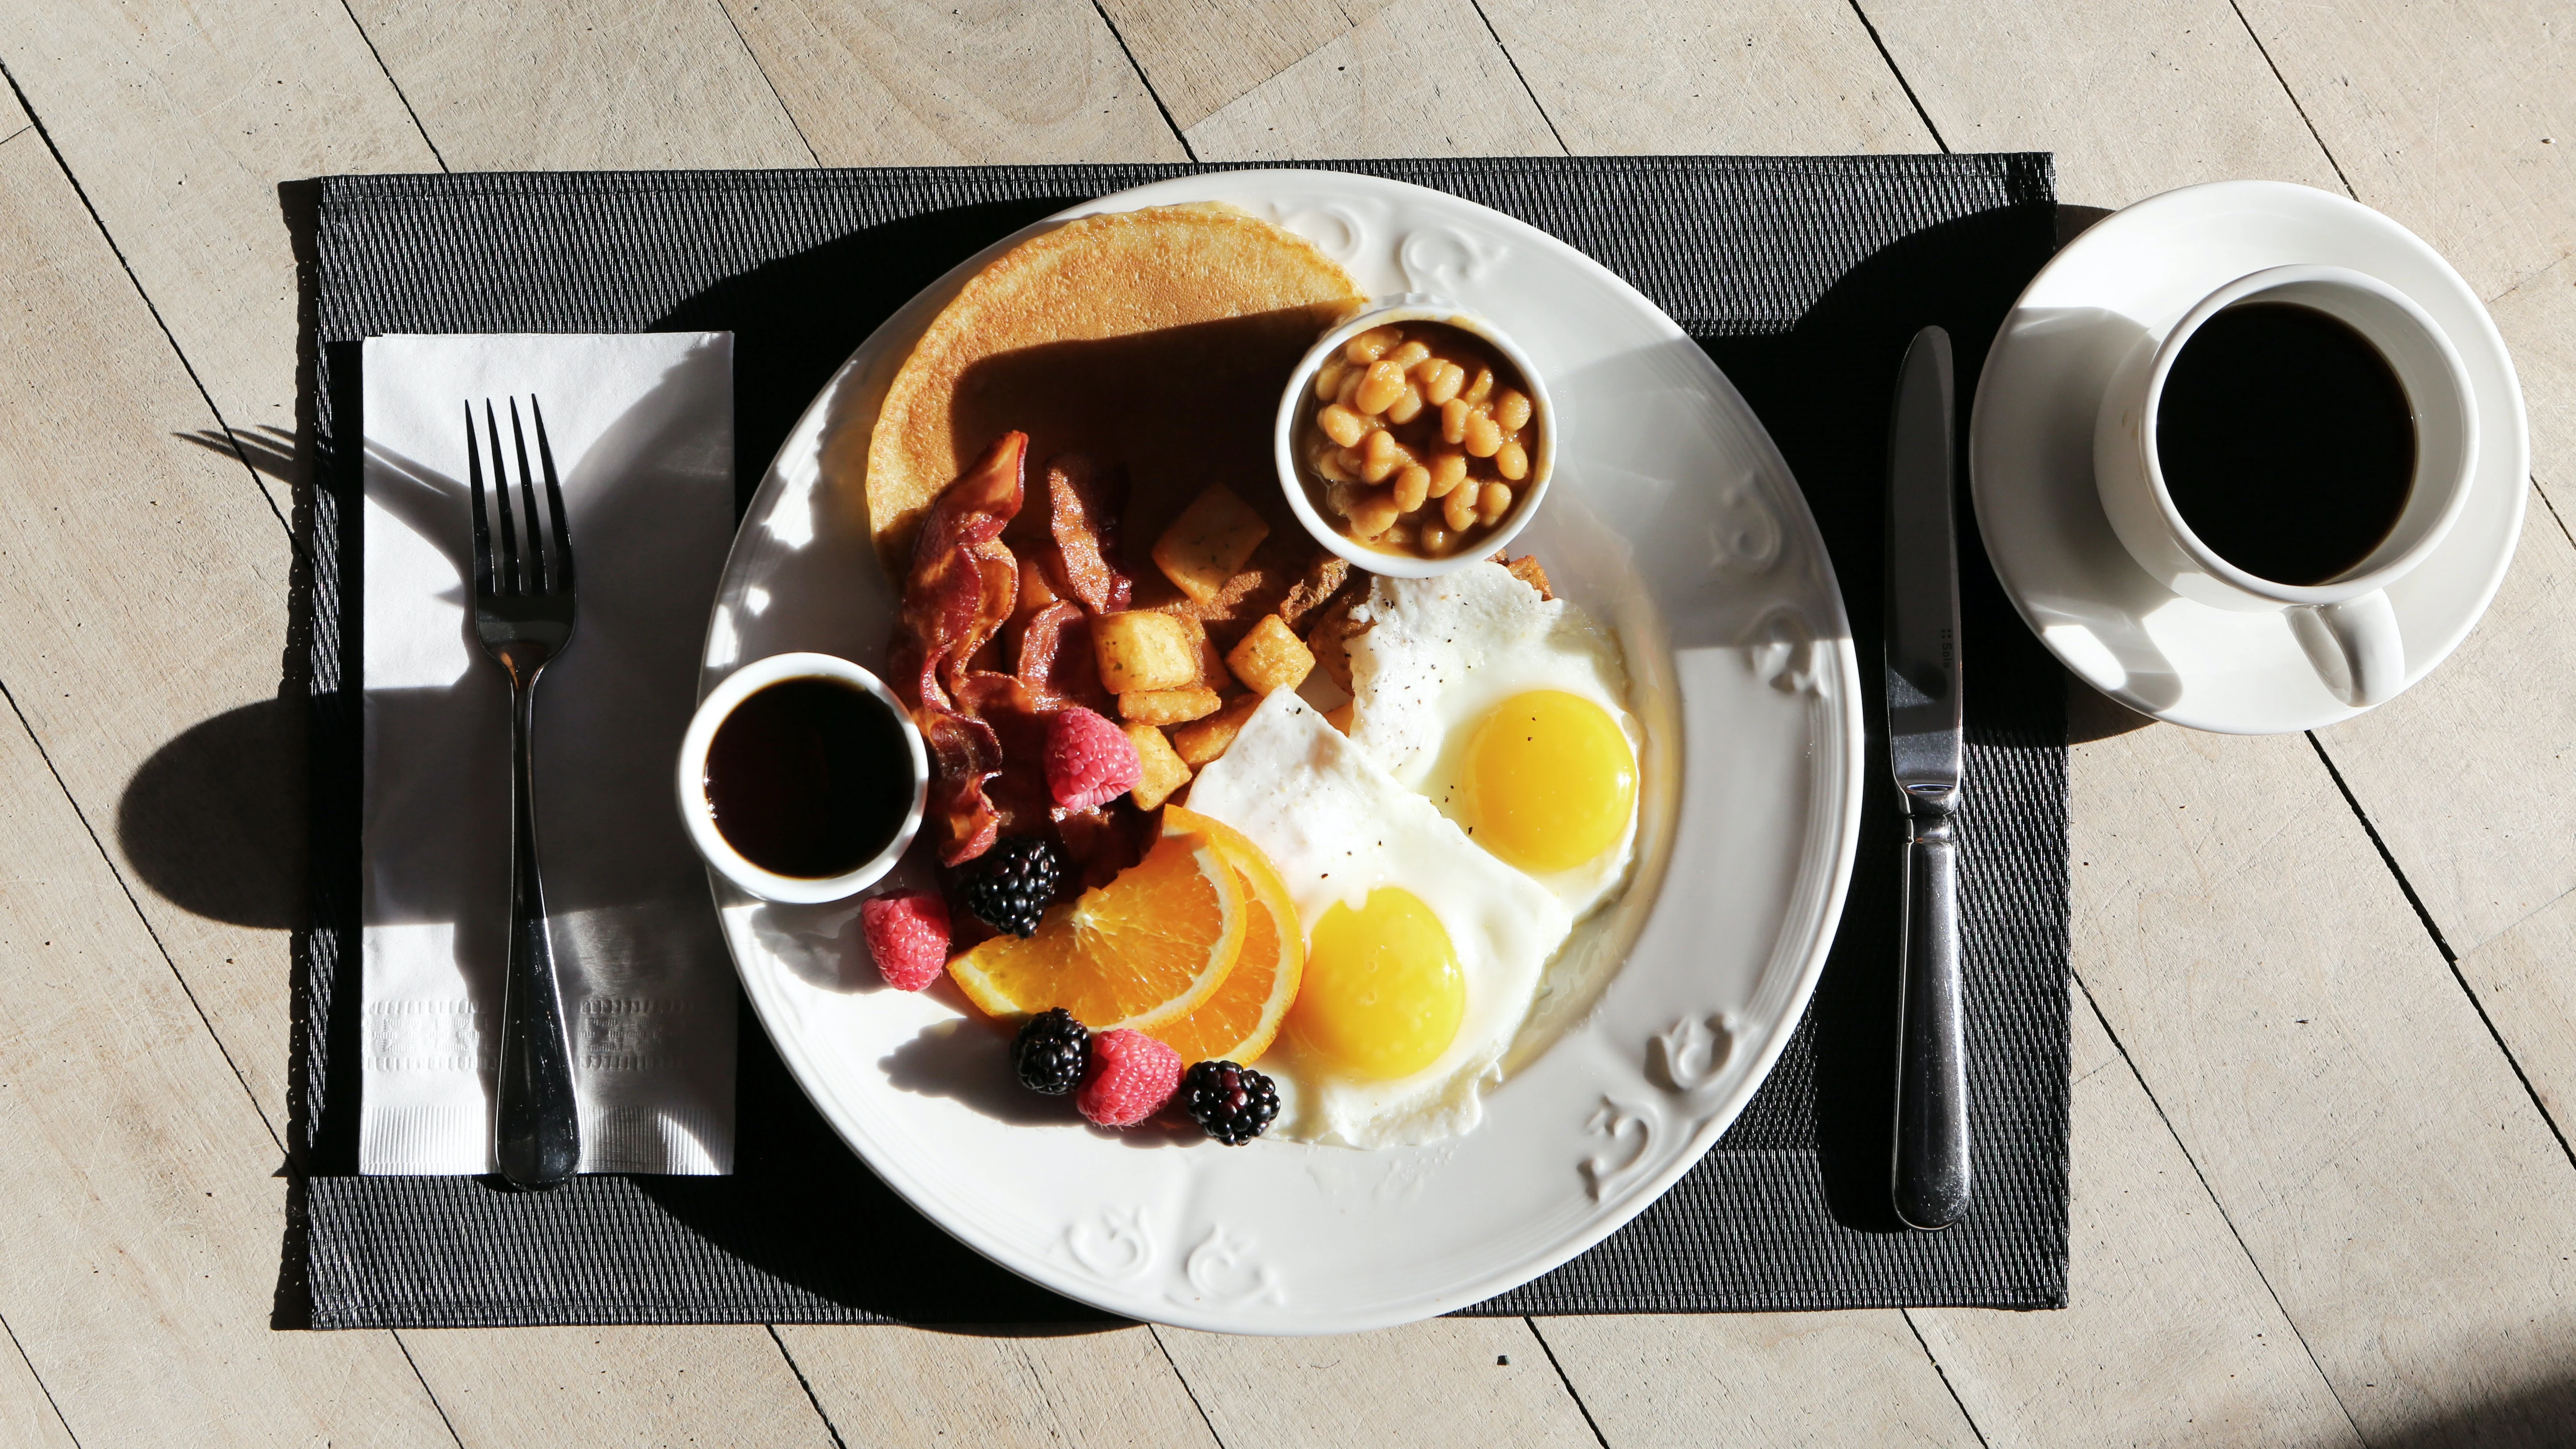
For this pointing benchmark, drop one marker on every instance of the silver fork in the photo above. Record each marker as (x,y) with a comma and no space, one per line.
(523,612)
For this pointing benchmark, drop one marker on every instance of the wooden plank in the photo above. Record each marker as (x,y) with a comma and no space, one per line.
(2383,1166)
(2538,320)
(505,85)
(1757,1379)
(2437,116)
(2479,825)
(1673,76)
(2134,99)
(905,1386)
(886,85)
(148,582)
(139,1252)
(153,595)
(577,1387)
(2169,1334)
(2526,977)
(1419,78)
(1199,55)
(2377,1155)
(1468,1382)
(180,120)
(27,1417)
(2458,120)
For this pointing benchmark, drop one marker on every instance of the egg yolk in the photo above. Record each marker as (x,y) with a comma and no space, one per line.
(1383,993)
(1550,781)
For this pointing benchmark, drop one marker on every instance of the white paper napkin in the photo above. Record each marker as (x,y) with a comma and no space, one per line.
(642,428)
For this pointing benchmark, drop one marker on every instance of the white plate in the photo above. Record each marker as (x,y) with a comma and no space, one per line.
(1672,517)
(2030,455)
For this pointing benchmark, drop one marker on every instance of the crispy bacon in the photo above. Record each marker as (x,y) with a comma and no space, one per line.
(964,754)
(981,563)
(1017,717)
(964,579)
(962,586)
(1083,508)
(1100,843)
(1055,657)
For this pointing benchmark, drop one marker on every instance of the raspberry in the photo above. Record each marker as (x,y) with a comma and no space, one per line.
(1132,1076)
(1089,761)
(1233,1103)
(1014,882)
(907,933)
(1052,1053)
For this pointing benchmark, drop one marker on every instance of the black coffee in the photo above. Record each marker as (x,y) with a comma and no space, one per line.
(2286,441)
(810,777)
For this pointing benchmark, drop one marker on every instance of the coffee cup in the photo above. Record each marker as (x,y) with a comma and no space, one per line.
(2342,620)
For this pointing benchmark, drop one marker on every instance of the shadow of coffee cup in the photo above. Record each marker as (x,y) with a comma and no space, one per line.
(2342,620)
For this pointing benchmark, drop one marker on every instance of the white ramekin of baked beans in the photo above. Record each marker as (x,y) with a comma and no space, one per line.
(1415,438)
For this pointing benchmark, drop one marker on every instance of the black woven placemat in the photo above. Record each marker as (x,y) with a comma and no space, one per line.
(1803,277)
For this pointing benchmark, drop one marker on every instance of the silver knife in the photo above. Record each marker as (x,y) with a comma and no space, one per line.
(1930,1180)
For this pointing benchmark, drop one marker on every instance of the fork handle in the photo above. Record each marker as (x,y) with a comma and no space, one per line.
(536,1126)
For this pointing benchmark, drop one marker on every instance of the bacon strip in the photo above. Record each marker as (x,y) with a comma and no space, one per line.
(963,580)
(962,586)
(1056,660)
(1083,509)
(1100,843)
(986,729)
(964,754)
(1016,716)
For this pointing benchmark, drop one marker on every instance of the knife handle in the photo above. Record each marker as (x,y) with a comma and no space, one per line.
(1930,1182)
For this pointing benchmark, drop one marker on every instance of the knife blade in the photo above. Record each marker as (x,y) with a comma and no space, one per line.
(1929,1177)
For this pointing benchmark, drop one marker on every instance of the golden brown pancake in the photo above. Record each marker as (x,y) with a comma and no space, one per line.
(1155,339)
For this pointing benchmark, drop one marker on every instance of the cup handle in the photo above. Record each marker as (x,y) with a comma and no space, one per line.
(2354,646)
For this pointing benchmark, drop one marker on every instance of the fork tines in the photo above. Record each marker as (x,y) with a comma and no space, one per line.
(514,571)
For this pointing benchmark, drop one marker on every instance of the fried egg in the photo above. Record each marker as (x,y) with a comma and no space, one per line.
(1509,712)
(1423,949)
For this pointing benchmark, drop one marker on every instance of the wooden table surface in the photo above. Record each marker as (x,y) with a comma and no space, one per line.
(2323,1058)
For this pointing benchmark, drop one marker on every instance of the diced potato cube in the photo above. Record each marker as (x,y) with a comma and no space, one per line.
(1142,649)
(1209,541)
(1330,638)
(1324,576)
(1167,706)
(1269,658)
(1340,719)
(1212,671)
(1204,740)
(1165,770)
(1526,569)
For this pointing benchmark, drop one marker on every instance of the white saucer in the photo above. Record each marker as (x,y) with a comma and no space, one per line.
(2030,455)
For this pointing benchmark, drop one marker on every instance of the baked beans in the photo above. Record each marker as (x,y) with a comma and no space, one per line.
(1422,439)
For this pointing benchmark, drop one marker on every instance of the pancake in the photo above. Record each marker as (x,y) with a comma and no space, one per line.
(1156,340)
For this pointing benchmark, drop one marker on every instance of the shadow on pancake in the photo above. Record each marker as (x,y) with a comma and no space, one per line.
(795,320)
(1181,407)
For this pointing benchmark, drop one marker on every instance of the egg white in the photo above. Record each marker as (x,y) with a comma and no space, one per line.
(1338,827)
(1439,655)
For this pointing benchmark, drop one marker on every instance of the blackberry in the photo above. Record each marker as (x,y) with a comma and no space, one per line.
(1052,1054)
(1013,883)
(1234,1103)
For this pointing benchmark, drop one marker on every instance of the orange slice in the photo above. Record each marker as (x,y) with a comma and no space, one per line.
(1238,1021)
(1145,949)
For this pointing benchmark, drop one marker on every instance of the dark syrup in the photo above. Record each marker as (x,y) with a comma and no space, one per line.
(809,777)
(2286,441)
